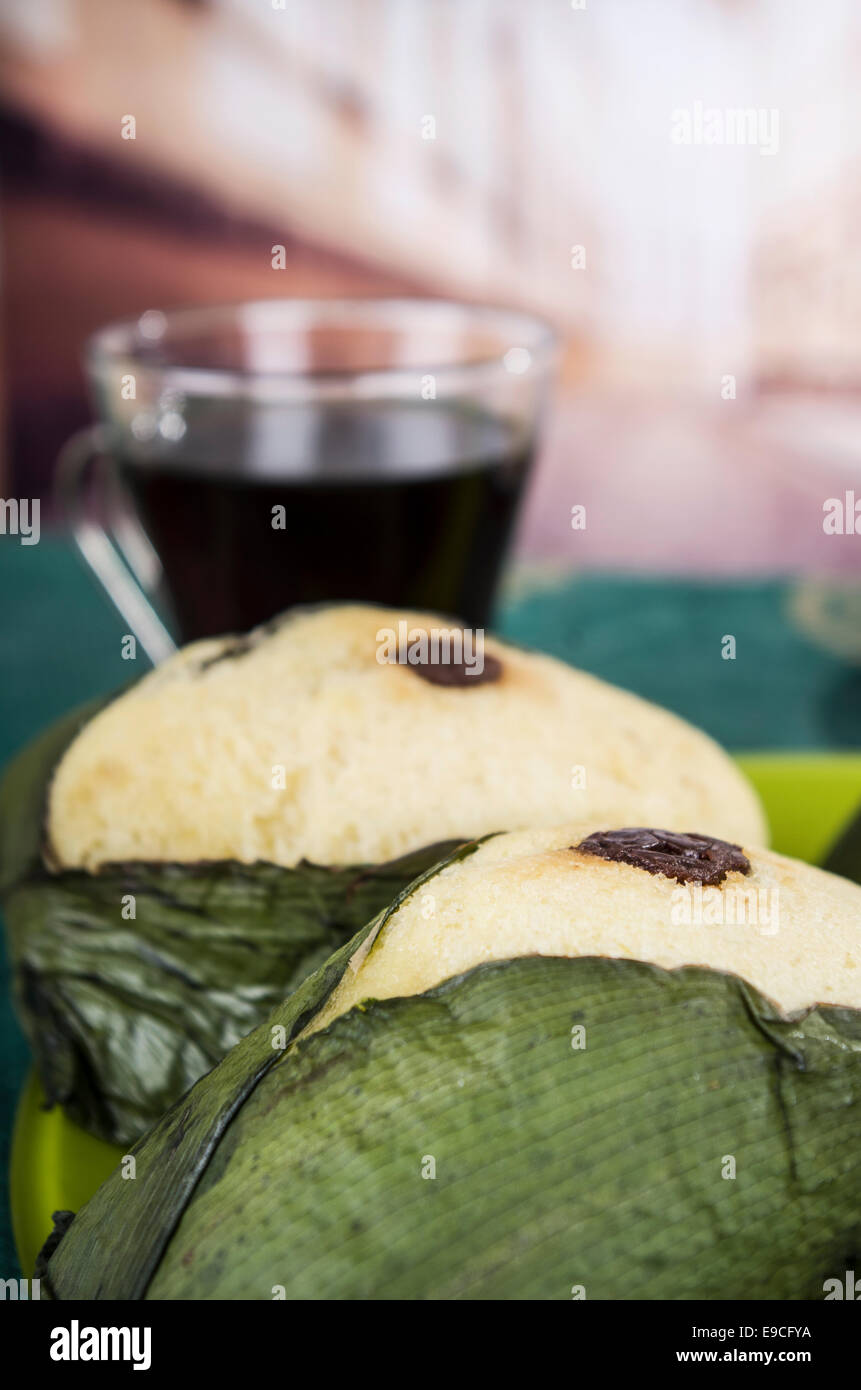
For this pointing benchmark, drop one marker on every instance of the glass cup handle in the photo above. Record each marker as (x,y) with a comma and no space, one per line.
(126,584)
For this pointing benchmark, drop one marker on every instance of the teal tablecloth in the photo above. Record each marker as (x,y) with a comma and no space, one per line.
(60,645)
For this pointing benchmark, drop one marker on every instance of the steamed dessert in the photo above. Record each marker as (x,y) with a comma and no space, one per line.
(591,1062)
(176,862)
(298,743)
(791,930)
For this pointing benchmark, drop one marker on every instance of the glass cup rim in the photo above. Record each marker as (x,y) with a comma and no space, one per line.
(122,342)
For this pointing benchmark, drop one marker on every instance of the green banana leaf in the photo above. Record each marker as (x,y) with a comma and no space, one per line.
(456,1145)
(124,1015)
(845,856)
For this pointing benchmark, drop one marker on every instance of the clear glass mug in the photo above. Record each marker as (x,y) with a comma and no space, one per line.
(253,457)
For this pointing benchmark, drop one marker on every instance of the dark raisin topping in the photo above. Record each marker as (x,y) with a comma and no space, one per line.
(457,673)
(235,647)
(688,858)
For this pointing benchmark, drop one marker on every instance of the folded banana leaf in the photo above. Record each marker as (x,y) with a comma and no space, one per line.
(844,857)
(455,1145)
(124,1013)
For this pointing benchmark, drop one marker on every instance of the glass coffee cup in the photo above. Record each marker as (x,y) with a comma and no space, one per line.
(255,457)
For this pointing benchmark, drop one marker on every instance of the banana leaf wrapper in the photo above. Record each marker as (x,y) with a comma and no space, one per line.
(454,1145)
(844,857)
(124,1015)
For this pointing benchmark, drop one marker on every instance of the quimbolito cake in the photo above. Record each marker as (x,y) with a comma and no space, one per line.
(596,1061)
(791,930)
(216,830)
(299,743)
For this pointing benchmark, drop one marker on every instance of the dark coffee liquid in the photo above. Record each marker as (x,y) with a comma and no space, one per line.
(404,504)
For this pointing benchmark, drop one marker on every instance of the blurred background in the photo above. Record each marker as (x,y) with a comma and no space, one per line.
(528,154)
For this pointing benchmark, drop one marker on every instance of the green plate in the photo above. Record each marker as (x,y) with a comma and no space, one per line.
(56,1166)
